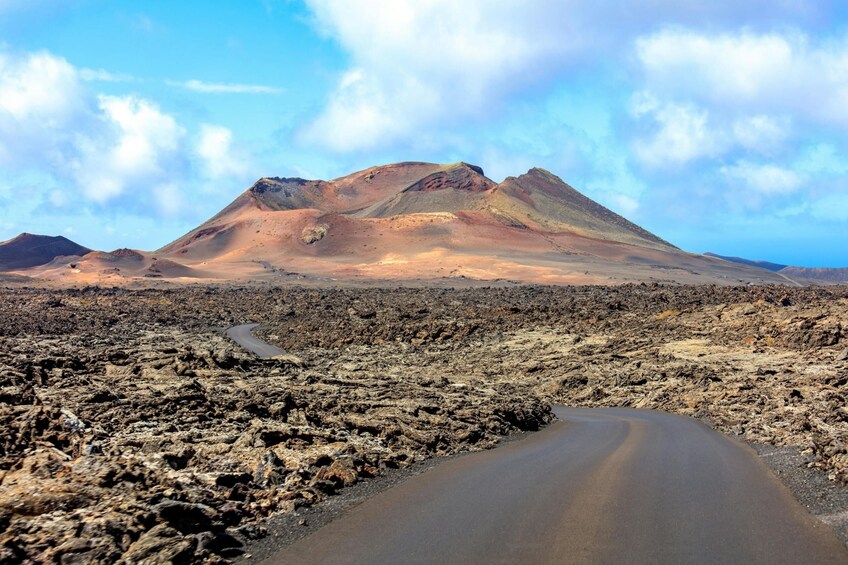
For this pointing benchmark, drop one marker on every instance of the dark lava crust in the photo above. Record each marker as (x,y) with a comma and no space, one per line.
(135,431)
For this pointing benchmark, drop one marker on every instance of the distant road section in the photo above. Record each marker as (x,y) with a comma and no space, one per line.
(601,486)
(243,335)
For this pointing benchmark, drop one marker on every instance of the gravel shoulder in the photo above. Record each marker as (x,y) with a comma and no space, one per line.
(825,499)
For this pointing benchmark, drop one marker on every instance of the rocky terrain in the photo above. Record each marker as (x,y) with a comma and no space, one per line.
(136,432)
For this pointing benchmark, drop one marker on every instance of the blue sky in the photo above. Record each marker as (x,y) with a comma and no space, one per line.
(720,126)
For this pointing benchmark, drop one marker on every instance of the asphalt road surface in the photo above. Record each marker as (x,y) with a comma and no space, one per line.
(243,336)
(602,486)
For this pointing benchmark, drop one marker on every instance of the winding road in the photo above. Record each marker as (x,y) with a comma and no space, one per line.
(600,486)
(243,335)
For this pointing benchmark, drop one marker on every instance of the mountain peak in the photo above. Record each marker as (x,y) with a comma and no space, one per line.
(402,221)
(411,193)
(458,176)
(275,184)
(477,169)
(30,250)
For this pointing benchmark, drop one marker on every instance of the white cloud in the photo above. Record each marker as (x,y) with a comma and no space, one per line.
(145,132)
(125,151)
(418,64)
(99,147)
(361,115)
(225,87)
(58,198)
(169,199)
(774,73)
(625,205)
(219,158)
(135,149)
(768,180)
(683,135)
(760,133)
(41,102)
(748,95)
(725,67)
(102,75)
(38,86)
(679,133)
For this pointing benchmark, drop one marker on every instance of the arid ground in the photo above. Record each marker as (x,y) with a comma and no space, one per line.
(135,431)
(412,221)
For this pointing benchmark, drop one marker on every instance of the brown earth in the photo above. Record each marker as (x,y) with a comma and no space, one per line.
(135,431)
(424,221)
(412,222)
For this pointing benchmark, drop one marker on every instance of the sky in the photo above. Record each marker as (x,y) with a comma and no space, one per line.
(720,126)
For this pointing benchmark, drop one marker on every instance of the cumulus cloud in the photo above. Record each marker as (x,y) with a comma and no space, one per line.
(215,150)
(760,133)
(106,149)
(137,146)
(767,73)
(765,179)
(626,205)
(683,134)
(749,112)
(422,63)
(169,199)
(40,97)
(679,133)
(38,86)
(708,95)
(724,67)
(58,198)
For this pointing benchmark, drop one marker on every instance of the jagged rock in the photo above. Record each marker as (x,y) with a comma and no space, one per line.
(161,544)
(132,426)
(188,518)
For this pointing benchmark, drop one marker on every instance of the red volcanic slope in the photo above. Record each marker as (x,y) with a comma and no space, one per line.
(536,200)
(418,220)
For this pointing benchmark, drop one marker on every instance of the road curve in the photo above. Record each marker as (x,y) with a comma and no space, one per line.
(601,486)
(243,336)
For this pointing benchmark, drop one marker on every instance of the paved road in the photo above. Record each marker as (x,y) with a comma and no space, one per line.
(603,486)
(243,336)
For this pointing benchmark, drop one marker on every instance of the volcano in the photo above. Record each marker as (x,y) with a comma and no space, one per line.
(29,250)
(426,221)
